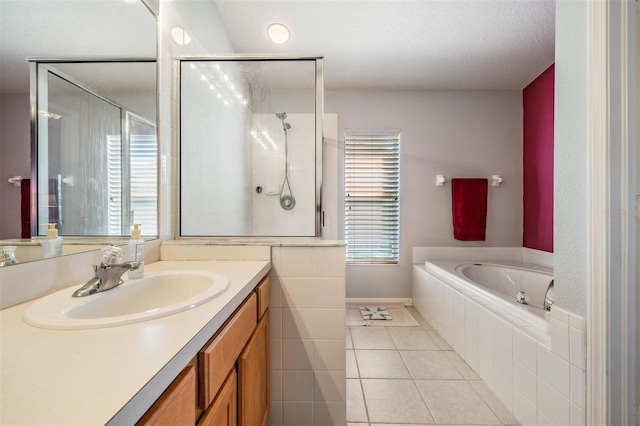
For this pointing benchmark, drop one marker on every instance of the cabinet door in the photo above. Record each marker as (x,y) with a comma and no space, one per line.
(176,406)
(263,291)
(223,410)
(219,356)
(253,377)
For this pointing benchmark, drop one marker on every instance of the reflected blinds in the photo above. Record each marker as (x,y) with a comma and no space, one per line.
(372,191)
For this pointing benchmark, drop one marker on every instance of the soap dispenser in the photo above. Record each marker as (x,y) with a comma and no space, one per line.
(135,252)
(52,245)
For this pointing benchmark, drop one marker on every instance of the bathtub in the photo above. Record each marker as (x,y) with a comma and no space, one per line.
(496,286)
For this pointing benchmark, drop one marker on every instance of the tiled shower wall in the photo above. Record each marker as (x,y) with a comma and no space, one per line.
(308,381)
(268,150)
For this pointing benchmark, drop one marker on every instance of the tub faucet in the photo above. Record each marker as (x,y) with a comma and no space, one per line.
(107,277)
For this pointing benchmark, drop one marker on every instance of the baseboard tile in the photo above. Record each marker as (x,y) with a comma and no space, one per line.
(379,301)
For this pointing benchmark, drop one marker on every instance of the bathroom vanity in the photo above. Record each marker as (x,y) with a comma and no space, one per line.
(184,365)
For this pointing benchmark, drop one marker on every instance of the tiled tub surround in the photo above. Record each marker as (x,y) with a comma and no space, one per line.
(539,376)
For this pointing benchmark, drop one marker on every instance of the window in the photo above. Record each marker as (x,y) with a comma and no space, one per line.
(372,196)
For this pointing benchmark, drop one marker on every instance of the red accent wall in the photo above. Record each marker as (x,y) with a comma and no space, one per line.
(538,104)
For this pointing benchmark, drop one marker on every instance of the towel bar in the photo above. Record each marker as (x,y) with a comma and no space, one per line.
(15,180)
(496,180)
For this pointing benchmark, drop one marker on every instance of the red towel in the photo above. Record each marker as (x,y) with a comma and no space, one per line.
(25,208)
(469,199)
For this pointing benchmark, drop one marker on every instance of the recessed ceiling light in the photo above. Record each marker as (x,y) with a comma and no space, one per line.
(180,36)
(278,33)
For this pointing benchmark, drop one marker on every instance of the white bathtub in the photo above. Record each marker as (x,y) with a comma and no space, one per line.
(497,285)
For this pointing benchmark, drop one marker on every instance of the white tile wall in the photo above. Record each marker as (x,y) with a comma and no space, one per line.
(539,376)
(308,328)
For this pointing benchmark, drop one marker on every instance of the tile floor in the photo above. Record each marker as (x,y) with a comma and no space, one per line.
(411,376)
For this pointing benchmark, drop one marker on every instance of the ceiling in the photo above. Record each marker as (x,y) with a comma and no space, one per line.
(379,44)
(402,44)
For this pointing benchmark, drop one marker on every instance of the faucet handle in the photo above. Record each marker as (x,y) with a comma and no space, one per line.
(112,255)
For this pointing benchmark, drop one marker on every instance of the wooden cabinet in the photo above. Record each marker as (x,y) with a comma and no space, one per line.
(223,411)
(209,391)
(176,404)
(253,377)
(219,356)
(263,290)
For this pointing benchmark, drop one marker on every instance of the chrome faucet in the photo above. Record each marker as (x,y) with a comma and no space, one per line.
(107,277)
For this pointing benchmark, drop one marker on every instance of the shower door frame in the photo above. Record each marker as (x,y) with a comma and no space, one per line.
(319,127)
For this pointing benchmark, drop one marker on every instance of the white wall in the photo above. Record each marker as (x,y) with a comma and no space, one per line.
(15,159)
(455,133)
(570,151)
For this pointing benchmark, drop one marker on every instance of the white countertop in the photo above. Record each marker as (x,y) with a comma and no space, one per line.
(109,375)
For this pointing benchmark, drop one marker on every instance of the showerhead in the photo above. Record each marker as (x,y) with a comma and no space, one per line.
(282,116)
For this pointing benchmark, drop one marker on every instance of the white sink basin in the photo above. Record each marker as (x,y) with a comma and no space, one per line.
(156,295)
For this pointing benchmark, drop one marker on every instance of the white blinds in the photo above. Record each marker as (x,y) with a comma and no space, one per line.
(143,159)
(372,191)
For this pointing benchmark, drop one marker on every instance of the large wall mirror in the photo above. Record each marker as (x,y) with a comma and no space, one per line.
(95,119)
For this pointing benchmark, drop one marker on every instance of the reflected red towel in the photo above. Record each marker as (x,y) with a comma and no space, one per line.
(25,208)
(469,199)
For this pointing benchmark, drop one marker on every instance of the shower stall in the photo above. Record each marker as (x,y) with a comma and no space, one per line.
(250,147)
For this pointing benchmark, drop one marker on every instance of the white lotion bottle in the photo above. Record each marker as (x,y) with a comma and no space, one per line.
(52,245)
(135,252)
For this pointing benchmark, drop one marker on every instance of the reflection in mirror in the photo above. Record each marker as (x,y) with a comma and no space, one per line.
(97,151)
(70,29)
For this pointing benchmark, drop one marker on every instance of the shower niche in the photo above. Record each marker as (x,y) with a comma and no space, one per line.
(250,147)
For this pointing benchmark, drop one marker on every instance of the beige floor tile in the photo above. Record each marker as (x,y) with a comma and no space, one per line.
(419,319)
(399,314)
(380,364)
(412,339)
(352,366)
(430,365)
(397,424)
(348,341)
(455,402)
(442,344)
(490,398)
(371,338)
(466,371)
(356,410)
(393,400)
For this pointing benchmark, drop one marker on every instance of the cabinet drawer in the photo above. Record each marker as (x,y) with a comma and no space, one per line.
(224,408)
(263,290)
(219,356)
(176,405)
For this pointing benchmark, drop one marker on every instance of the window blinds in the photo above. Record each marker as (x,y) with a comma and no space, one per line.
(372,191)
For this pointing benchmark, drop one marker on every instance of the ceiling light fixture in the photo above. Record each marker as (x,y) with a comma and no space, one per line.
(278,33)
(180,36)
